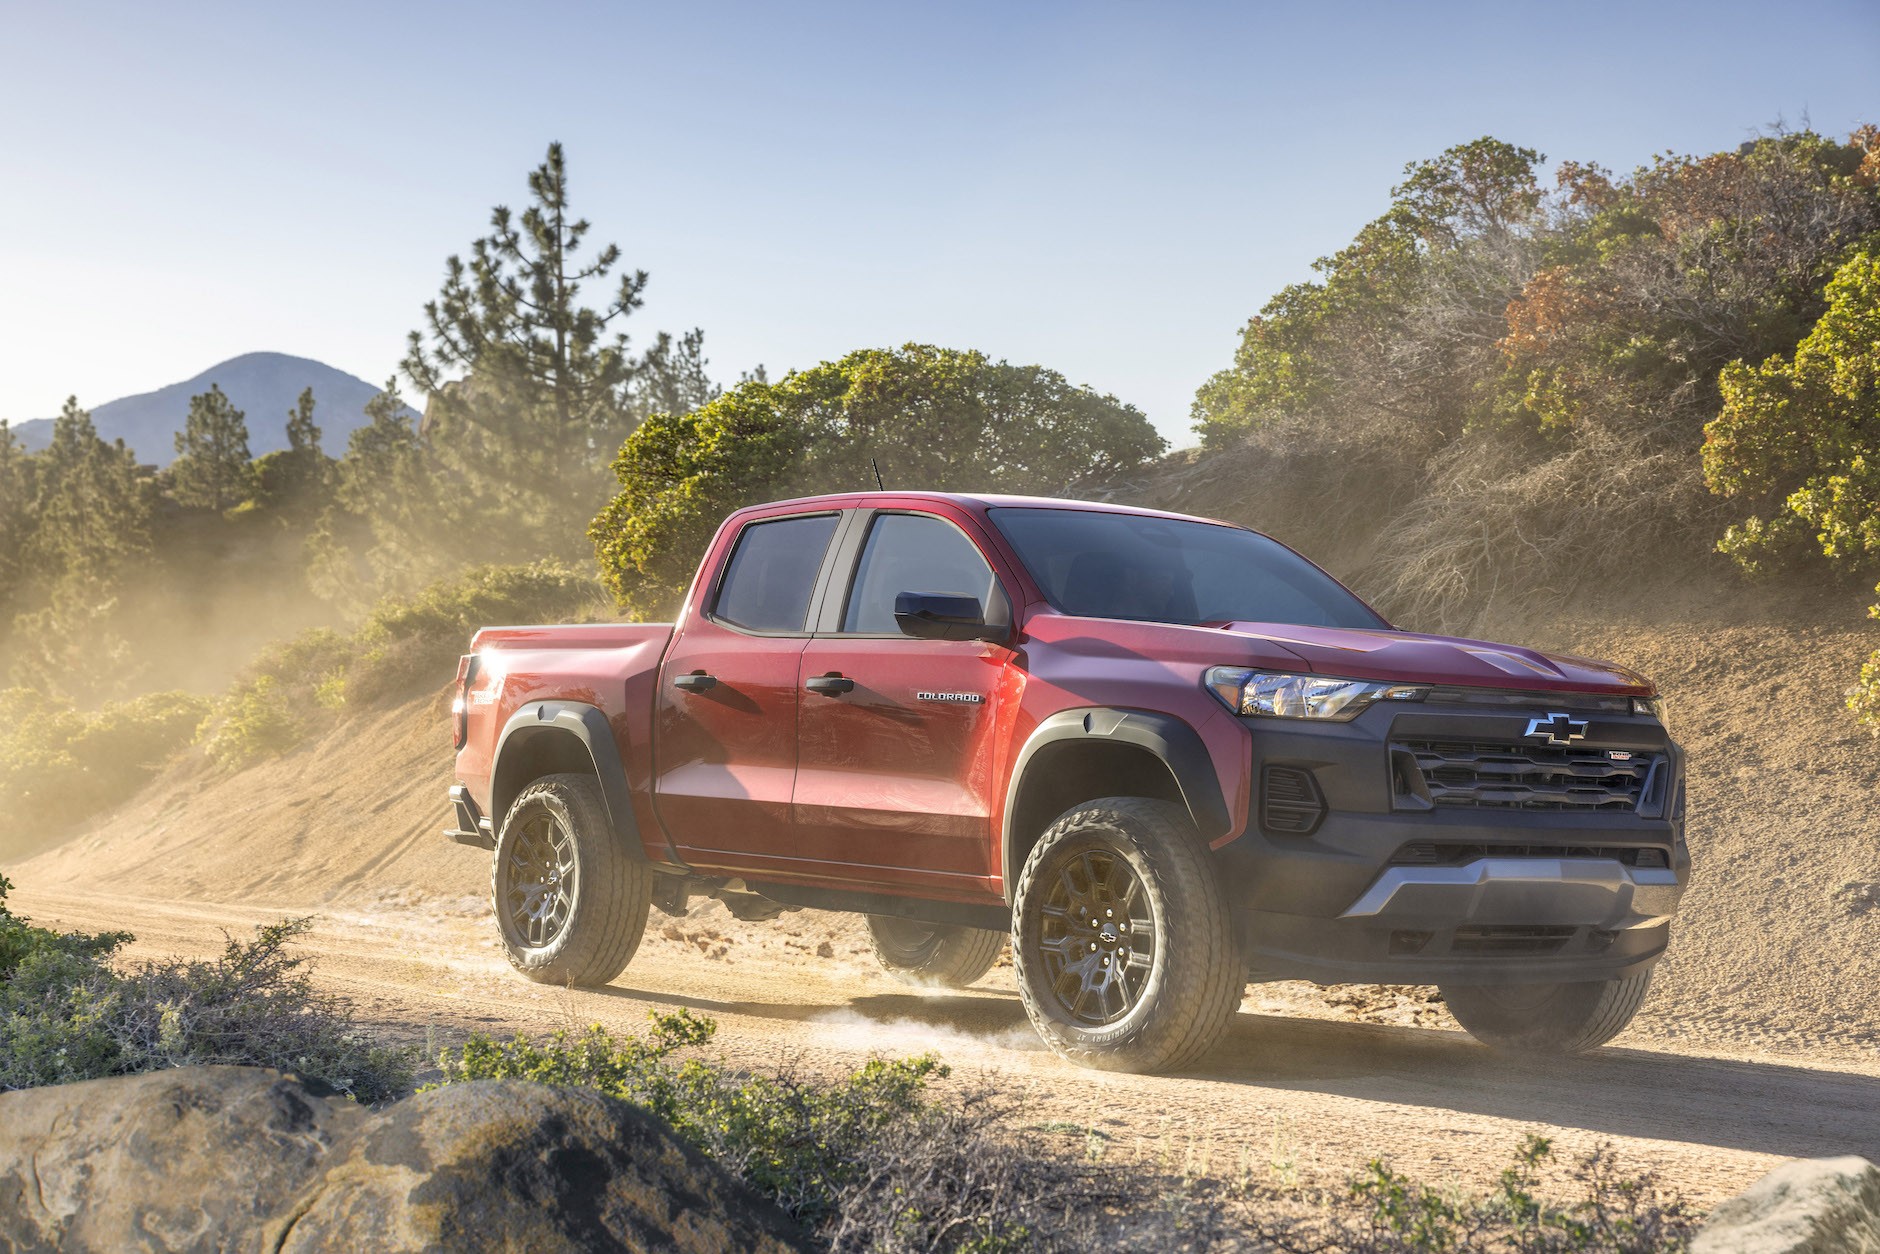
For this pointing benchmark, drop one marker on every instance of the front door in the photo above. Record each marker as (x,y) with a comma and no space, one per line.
(725,741)
(895,773)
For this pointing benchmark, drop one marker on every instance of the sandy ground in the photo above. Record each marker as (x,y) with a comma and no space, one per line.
(1296,1083)
(1758,1042)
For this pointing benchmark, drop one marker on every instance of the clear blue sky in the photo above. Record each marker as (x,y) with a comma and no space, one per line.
(1106,189)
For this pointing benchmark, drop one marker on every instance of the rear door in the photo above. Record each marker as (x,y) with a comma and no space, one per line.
(895,773)
(725,738)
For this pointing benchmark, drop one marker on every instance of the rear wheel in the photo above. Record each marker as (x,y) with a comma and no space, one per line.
(571,901)
(933,954)
(1547,1018)
(1123,942)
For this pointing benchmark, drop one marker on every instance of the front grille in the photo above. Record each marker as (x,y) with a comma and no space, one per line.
(1524,777)
(1513,939)
(1455,853)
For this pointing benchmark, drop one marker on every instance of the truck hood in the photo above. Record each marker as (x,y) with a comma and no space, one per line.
(1410,657)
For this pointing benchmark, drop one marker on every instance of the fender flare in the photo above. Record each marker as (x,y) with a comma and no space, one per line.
(589,725)
(1174,742)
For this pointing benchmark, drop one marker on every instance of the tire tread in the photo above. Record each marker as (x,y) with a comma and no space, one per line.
(616,889)
(1184,1028)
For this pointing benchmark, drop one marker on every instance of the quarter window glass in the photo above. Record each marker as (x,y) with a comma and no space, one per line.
(772,573)
(912,553)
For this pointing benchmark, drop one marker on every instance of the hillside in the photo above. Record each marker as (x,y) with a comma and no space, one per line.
(264,386)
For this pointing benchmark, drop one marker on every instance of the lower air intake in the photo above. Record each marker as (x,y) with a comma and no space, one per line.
(1290,801)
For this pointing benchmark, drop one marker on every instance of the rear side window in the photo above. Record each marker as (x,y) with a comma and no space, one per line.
(772,573)
(912,553)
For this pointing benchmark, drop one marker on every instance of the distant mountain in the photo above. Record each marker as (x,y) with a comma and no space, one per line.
(264,386)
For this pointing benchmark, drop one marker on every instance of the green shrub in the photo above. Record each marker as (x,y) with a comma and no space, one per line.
(67,1014)
(405,647)
(59,765)
(869,1161)
(796,1143)
(878,1160)
(1384,1212)
(258,719)
(409,646)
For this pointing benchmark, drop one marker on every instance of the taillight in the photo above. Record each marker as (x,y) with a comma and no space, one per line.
(460,703)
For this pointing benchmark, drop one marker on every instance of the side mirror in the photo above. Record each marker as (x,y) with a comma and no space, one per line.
(940,616)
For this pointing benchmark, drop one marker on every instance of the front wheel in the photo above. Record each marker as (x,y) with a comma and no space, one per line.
(1547,1018)
(933,955)
(571,901)
(1123,941)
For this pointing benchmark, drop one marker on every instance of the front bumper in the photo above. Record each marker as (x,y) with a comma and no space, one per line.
(1387,888)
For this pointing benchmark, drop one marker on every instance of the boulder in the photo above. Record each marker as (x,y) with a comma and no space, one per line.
(242,1158)
(1809,1206)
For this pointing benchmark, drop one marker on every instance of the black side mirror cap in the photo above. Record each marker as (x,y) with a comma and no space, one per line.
(940,616)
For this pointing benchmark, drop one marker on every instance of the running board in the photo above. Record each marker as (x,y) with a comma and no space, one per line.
(990,918)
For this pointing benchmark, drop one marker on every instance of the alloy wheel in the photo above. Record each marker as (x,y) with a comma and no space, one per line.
(1098,938)
(540,881)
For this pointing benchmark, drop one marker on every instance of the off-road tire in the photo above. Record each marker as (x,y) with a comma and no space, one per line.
(1547,1018)
(933,955)
(1195,975)
(612,886)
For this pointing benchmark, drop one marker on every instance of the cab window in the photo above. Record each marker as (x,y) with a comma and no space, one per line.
(912,553)
(772,573)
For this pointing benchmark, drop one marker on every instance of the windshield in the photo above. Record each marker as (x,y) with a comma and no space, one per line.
(1164,570)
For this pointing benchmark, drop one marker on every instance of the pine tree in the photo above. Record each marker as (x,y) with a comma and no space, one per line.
(212,469)
(16,519)
(303,434)
(525,385)
(388,528)
(293,483)
(671,378)
(93,513)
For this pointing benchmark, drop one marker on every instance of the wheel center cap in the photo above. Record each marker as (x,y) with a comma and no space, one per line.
(1108,934)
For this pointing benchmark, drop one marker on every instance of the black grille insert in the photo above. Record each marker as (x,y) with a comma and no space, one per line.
(1455,853)
(1527,776)
(1290,802)
(1511,939)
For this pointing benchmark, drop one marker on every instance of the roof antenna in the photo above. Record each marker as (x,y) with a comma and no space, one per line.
(877,468)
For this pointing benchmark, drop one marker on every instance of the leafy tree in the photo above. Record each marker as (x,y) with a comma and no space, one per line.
(212,469)
(935,418)
(1801,435)
(1391,311)
(1666,277)
(525,384)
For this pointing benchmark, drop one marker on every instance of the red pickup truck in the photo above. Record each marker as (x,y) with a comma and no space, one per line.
(1165,756)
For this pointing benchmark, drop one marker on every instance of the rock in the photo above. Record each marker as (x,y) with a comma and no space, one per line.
(242,1158)
(1809,1206)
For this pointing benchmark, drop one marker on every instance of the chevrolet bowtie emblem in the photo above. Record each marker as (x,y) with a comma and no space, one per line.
(1557,729)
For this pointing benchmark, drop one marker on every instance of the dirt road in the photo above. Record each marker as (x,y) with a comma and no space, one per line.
(1296,1083)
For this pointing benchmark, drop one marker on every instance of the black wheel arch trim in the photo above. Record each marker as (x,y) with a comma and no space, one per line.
(1178,746)
(587,724)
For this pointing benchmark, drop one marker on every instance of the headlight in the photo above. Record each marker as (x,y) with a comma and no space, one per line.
(1651,707)
(1303,696)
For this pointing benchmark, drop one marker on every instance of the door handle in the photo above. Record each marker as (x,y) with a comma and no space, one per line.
(830,685)
(697,681)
